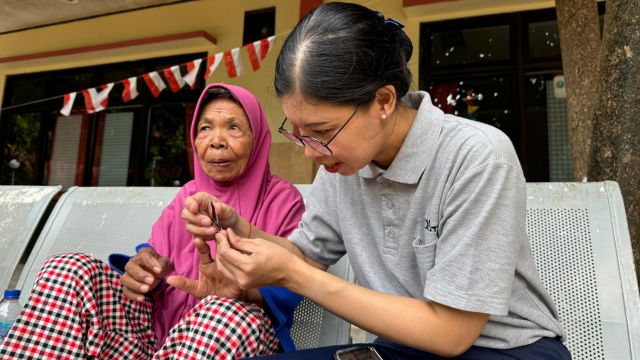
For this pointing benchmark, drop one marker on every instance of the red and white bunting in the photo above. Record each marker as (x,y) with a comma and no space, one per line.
(68,103)
(95,100)
(154,82)
(232,62)
(212,64)
(258,50)
(192,67)
(130,91)
(174,78)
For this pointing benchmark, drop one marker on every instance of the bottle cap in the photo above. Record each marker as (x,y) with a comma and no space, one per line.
(12,294)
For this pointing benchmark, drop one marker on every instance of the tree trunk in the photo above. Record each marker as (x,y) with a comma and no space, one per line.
(579,30)
(616,128)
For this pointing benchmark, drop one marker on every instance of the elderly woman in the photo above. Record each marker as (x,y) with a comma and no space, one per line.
(81,307)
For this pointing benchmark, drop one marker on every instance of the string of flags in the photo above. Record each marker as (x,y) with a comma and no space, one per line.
(96,99)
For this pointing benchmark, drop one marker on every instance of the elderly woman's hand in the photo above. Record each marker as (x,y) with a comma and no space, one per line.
(143,273)
(196,214)
(209,281)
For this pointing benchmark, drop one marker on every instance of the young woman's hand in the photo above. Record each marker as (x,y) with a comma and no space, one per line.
(209,281)
(143,273)
(253,263)
(197,215)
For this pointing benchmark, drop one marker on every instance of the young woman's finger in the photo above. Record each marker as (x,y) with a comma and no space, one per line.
(245,246)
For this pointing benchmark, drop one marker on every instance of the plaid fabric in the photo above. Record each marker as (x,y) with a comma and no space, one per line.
(220,328)
(76,311)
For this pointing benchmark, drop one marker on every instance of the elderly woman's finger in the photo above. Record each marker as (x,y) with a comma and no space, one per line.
(134,286)
(137,271)
(182,283)
(148,258)
(204,252)
(198,218)
(203,232)
(132,295)
(197,201)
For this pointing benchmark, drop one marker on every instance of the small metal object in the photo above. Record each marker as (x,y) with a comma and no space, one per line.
(214,218)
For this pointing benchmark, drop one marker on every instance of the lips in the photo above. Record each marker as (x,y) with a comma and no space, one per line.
(333,168)
(219,162)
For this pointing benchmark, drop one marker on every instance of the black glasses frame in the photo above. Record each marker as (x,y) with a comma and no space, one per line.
(304,140)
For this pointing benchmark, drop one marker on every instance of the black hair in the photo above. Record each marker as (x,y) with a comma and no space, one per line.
(343,53)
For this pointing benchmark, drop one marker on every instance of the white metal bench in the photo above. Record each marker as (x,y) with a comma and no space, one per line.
(581,246)
(21,209)
(578,231)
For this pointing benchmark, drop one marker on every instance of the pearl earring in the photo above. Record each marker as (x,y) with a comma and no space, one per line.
(384,116)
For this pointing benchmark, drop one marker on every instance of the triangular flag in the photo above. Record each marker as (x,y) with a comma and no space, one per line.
(130,91)
(154,82)
(192,67)
(212,64)
(174,78)
(95,100)
(258,50)
(68,103)
(232,62)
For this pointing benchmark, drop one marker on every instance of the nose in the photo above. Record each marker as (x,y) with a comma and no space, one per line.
(312,154)
(217,140)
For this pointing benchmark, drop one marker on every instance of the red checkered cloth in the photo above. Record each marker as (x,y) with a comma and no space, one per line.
(76,311)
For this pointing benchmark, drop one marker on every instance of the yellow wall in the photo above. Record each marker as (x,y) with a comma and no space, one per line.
(222,19)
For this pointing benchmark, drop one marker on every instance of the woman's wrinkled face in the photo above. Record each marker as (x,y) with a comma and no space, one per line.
(223,140)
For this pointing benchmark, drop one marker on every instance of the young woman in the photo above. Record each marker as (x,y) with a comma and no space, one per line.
(429,207)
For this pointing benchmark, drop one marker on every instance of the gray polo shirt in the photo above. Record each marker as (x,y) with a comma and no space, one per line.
(445,222)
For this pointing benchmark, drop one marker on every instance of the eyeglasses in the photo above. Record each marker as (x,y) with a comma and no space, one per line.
(315,144)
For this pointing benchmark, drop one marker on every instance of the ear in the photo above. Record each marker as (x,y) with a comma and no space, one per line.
(385,100)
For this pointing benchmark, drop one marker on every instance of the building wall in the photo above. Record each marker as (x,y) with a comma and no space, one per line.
(223,20)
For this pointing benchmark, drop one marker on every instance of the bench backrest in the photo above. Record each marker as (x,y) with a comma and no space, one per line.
(581,246)
(97,221)
(105,220)
(21,209)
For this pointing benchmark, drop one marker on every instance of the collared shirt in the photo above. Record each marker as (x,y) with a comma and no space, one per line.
(445,222)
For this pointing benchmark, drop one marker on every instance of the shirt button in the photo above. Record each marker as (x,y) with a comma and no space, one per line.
(392,234)
(389,204)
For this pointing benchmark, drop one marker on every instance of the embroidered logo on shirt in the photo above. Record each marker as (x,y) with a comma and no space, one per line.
(429,227)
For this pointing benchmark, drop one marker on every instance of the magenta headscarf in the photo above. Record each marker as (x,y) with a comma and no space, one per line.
(267,201)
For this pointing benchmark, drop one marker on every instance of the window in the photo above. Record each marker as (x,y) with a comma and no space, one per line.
(259,24)
(510,89)
(470,46)
(115,147)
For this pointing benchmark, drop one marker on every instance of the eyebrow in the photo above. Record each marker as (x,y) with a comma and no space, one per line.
(317,123)
(226,118)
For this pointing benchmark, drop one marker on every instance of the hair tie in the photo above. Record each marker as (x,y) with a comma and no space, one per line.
(395,23)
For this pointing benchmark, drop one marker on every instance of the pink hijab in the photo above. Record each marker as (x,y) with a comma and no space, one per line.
(269,202)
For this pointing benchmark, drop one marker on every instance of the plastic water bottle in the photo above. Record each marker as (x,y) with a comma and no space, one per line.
(9,310)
